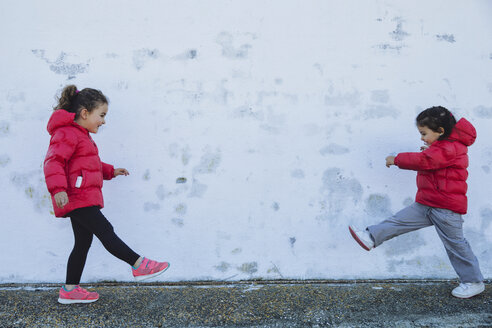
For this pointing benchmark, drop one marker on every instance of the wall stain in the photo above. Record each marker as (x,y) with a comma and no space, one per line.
(60,66)
(399,34)
(226,41)
(378,205)
(4,160)
(380,96)
(4,128)
(249,267)
(297,173)
(142,56)
(148,206)
(209,162)
(197,189)
(483,112)
(181,209)
(338,190)
(446,37)
(275,206)
(223,267)
(178,222)
(334,149)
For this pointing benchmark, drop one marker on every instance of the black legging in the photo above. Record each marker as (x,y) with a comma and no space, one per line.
(86,222)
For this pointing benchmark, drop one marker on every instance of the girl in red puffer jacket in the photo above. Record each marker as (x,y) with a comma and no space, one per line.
(441,197)
(74,176)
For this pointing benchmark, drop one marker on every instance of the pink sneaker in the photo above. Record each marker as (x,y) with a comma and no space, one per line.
(77,295)
(148,269)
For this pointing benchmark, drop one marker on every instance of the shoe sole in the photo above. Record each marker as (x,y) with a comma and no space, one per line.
(354,235)
(148,276)
(68,301)
(468,296)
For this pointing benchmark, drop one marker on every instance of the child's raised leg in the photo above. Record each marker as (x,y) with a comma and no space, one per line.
(410,218)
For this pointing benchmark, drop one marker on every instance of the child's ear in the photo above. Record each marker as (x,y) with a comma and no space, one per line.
(441,130)
(84,113)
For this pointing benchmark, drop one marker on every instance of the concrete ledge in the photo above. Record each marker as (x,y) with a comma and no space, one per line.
(346,303)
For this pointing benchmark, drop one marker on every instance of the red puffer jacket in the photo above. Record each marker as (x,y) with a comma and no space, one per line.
(442,174)
(72,153)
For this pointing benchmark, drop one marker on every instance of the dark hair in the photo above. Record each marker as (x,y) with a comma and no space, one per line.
(435,118)
(74,101)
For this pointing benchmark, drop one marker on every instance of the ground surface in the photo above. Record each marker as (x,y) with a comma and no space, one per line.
(250,304)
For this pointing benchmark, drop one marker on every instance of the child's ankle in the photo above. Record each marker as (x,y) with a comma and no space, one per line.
(69,288)
(138,262)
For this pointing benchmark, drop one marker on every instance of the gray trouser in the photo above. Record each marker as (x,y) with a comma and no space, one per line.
(449,227)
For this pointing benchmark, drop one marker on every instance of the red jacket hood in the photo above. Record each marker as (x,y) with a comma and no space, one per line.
(463,132)
(59,118)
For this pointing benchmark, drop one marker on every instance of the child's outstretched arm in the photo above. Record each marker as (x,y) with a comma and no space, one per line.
(432,158)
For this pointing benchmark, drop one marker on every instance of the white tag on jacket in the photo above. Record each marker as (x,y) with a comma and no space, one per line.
(78,183)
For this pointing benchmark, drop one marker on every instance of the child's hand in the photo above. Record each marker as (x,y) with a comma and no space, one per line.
(424,148)
(390,160)
(61,199)
(121,171)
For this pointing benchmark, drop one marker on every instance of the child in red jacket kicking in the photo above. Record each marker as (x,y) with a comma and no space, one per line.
(74,176)
(441,196)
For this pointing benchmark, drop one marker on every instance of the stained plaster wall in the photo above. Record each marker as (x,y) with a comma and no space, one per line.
(254,131)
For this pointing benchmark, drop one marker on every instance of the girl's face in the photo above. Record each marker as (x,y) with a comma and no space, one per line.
(93,120)
(428,136)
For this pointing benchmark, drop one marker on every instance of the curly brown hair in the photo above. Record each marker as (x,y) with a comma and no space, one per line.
(73,100)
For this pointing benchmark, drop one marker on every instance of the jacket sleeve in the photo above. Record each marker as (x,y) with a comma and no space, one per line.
(433,158)
(108,171)
(62,146)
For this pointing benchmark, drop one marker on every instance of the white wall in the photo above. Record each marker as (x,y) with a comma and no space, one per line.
(278,113)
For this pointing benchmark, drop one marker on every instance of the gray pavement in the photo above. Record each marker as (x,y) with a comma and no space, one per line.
(250,304)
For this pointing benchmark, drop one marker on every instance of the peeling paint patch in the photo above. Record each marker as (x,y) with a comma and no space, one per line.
(351,99)
(4,128)
(338,190)
(334,149)
(380,96)
(404,244)
(146,175)
(4,160)
(399,34)
(142,56)
(226,40)
(446,37)
(486,215)
(34,188)
(187,55)
(248,111)
(408,201)
(60,66)
(160,192)
(181,180)
(223,267)
(197,189)
(148,206)
(483,112)
(250,267)
(178,222)
(297,173)
(181,209)
(380,111)
(209,163)
(378,205)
